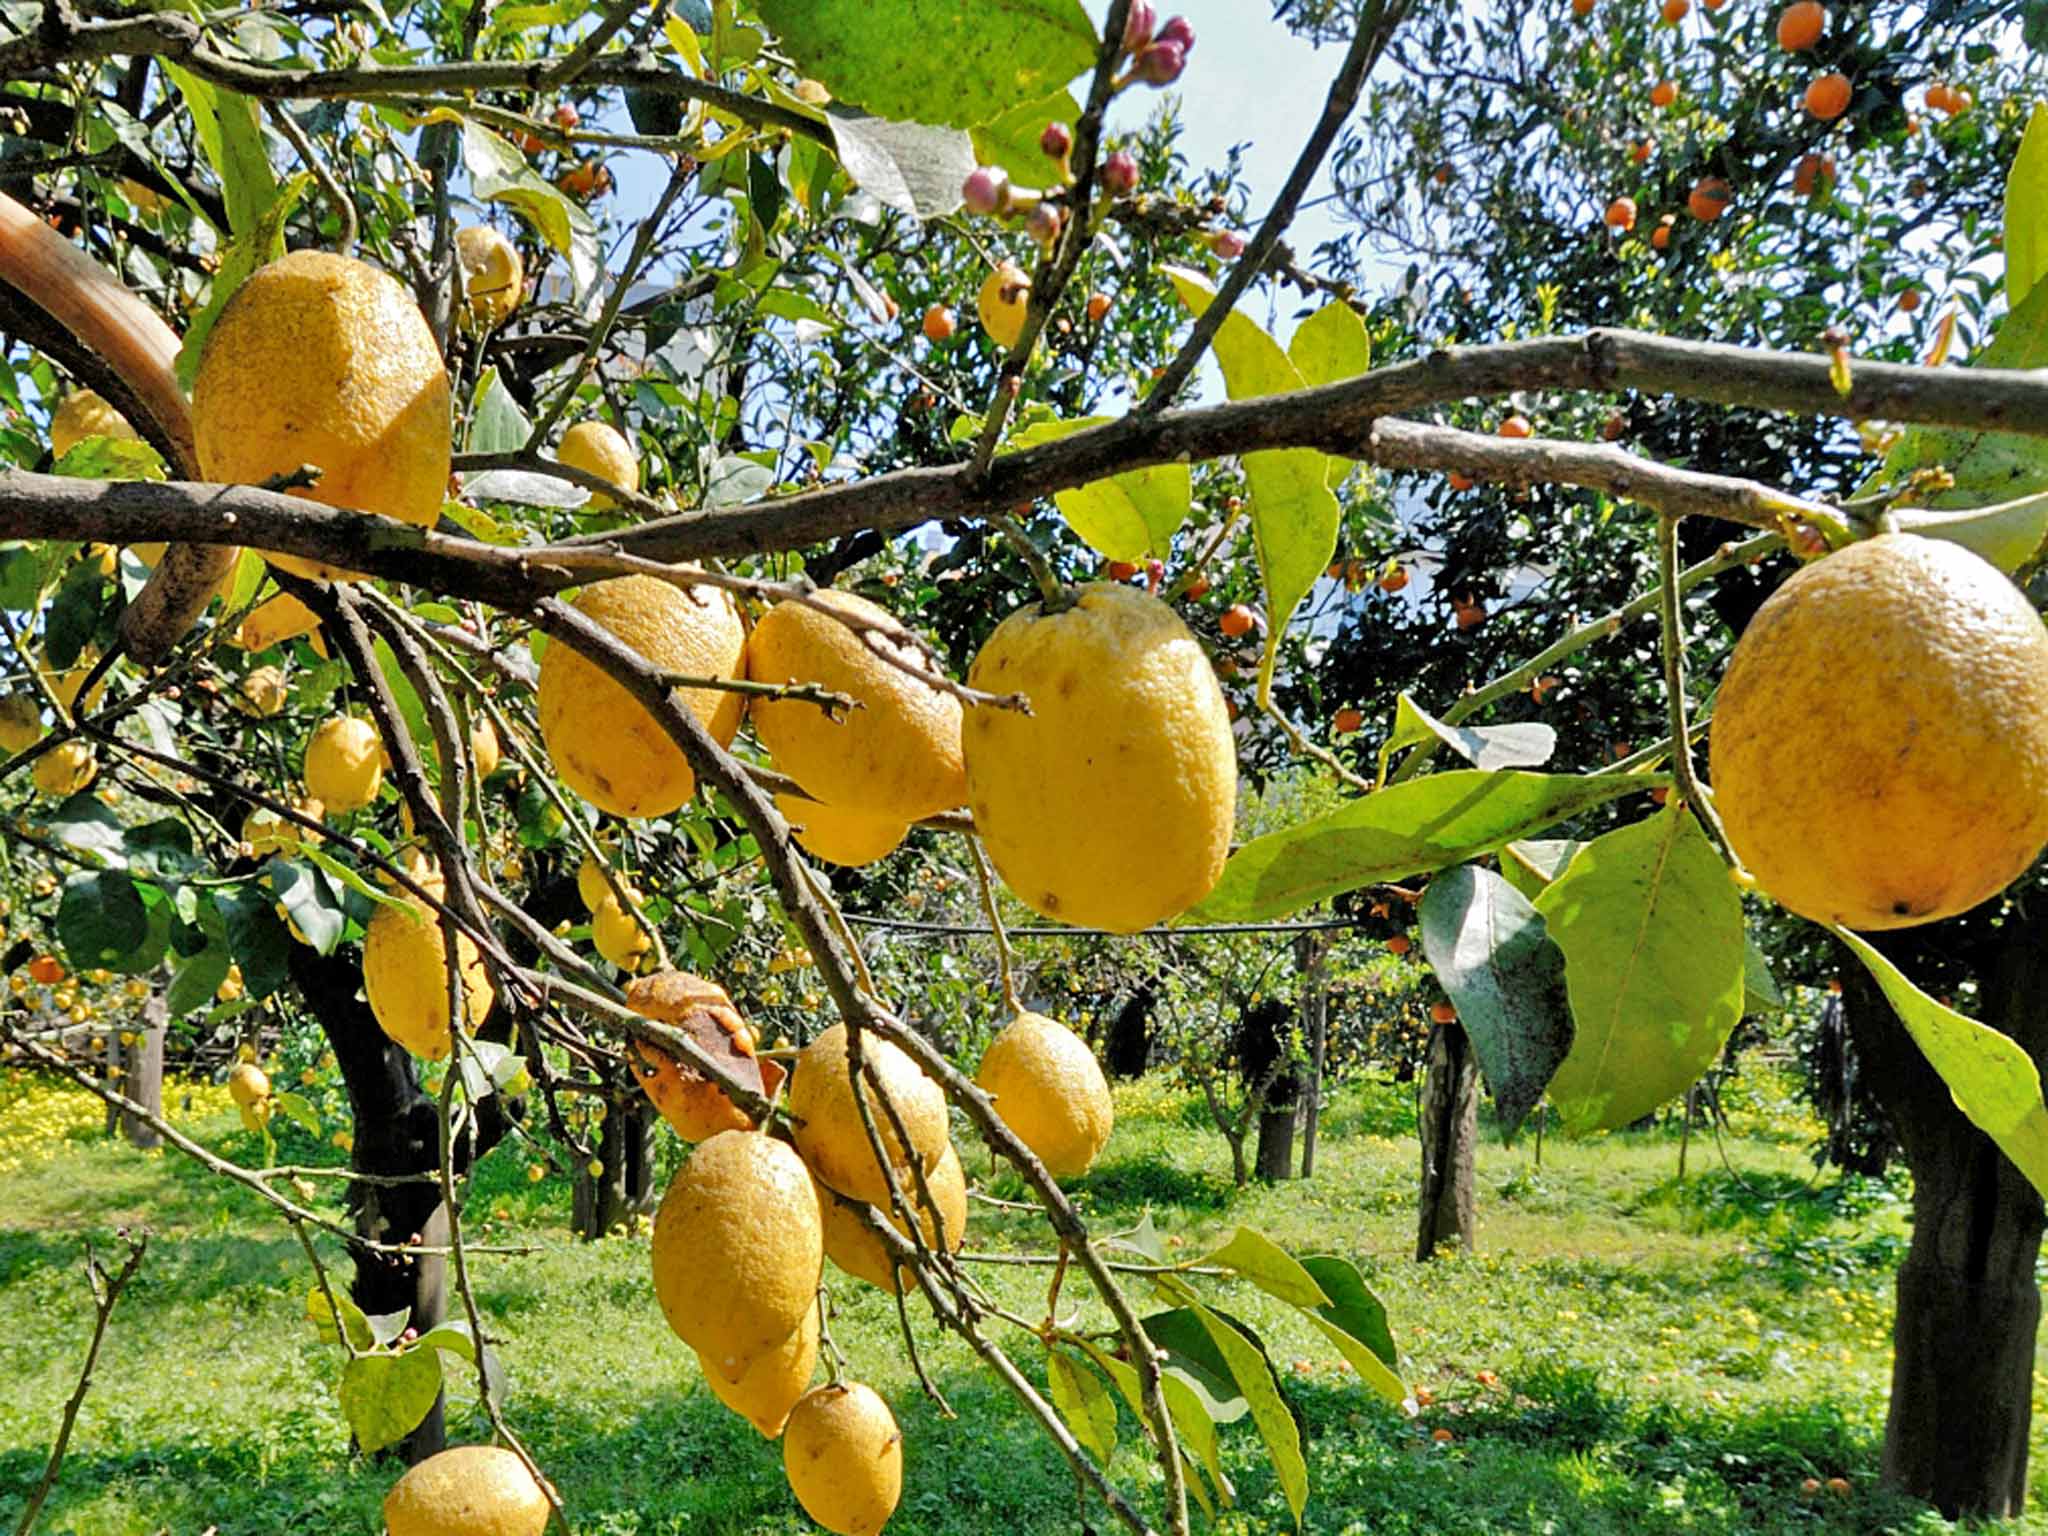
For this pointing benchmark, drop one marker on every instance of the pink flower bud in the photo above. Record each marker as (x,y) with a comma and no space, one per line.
(1180,31)
(986,189)
(1043,224)
(1120,173)
(1056,141)
(1139,22)
(1227,243)
(1160,64)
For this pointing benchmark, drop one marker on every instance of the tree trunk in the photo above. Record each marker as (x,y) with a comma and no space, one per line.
(1128,1050)
(1276,1143)
(1315,1022)
(1449,1125)
(1265,1056)
(142,1072)
(1968,1308)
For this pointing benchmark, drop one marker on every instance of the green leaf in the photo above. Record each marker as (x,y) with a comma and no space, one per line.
(321,1316)
(1993,1081)
(1527,744)
(1410,829)
(1270,1267)
(1192,1424)
(910,167)
(1132,516)
(1760,992)
(1651,929)
(1331,346)
(1254,1376)
(194,983)
(453,1336)
(257,246)
(496,423)
(351,877)
(162,851)
(308,902)
(299,1110)
(1531,864)
(384,1397)
(1356,1323)
(1011,140)
(1193,1354)
(104,922)
(1084,1403)
(261,942)
(86,826)
(2026,211)
(1488,947)
(410,708)
(936,61)
(230,131)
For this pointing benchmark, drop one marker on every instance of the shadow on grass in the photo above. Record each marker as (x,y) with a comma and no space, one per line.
(1133,1183)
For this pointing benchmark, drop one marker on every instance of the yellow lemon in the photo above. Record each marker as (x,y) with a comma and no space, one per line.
(597,446)
(851,838)
(1880,745)
(1111,803)
(405,977)
(1005,296)
(493,276)
(774,1382)
(1049,1090)
(591,884)
(897,754)
(608,748)
(618,935)
(324,360)
(829,1131)
(65,682)
(274,621)
(483,745)
(262,693)
(843,1455)
(21,722)
(850,1245)
(83,414)
(248,1085)
(266,832)
(737,1249)
(344,763)
(65,769)
(467,1490)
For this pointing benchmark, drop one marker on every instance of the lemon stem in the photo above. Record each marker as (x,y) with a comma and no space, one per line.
(1674,687)
(1005,958)
(1057,597)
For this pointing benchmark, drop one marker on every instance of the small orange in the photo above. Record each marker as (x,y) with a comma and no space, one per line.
(1394,580)
(1399,945)
(1347,721)
(567,117)
(1237,620)
(1959,101)
(1516,425)
(1938,97)
(1814,173)
(938,323)
(1621,214)
(1715,5)
(1470,615)
(1459,482)
(1675,11)
(1801,25)
(1810,1486)
(1839,1487)
(1909,301)
(1442,1436)
(585,179)
(45,970)
(1640,153)
(1616,425)
(1120,570)
(1828,97)
(1709,199)
(1660,237)
(1540,687)
(1443,1013)
(1199,587)
(1582,7)
(1664,93)
(1098,306)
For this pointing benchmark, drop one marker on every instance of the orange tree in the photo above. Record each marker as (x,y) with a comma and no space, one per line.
(560,632)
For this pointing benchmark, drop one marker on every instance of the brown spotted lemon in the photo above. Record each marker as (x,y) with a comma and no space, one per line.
(1049,1090)
(697,1108)
(843,1455)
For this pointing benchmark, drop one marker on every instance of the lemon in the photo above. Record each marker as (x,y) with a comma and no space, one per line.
(1004,297)
(65,769)
(405,977)
(261,694)
(83,414)
(324,360)
(697,1108)
(851,838)
(1880,746)
(1111,804)
(591,884)
(774,1382)
(596,446)
(737,1249)
(65,682)
(1050,1091)
(344,763)
(843,1455)
(483,745)
(606,747)
(467,1490)
(274,621)
(248,1085)
(829,1132)
(21,723)
(493,276)
(618,935)
(850,1245)
(896,754)
(255,1116)
(266,832)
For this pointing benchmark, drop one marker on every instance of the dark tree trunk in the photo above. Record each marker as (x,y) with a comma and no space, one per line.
(142,1072)
(1265,1056)
(1315,1023)
(1276,1143)
(624,1185)
(1129,1048)
(1449,1125)
(1968,1308)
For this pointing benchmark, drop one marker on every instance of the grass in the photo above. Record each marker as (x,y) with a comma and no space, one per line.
(1625,1353)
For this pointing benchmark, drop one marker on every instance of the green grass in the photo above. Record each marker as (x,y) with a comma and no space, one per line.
(1624,1353)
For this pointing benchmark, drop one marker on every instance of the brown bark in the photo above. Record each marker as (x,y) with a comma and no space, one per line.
(1276,1143)
(1968,1307)
(1449,1126)
(142,1072)
(1315,1022)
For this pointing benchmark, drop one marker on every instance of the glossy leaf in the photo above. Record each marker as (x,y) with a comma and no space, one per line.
(229,129)
(2026,211)
(1011,140)
(197,979)
(1257,1258)
(1132,516)
(1331,346)
(1526,744)
(384,1397)
(1651,929)
(1410,829)
(321,1316)
(1254,1375)
(104,922)
(1488,947)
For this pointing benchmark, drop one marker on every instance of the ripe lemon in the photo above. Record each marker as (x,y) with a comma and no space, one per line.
(64,682)
(483,746)
(591,884)
(21,723)
(696,1107)
(83,414)
(405,976)
(261,694)
(606,747)
(324,360)
(829,1132)
(274,621)
(737,1249)
(897,754)
(344,763)
(1050,1091)
(843,1454)
(774,1382)
(850,1245)
(65,769)
(618,935)
(598,447)
(266,832)
(1005,296)
(467,1490)
(493,276)
(1880,747)
(248,1085)
(851,838)
(1111,803)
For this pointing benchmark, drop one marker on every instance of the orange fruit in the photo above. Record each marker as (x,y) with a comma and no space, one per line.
(1098,307)
(1459,482)
(1348,720)
(1582,7)
(1813,173)
(1801,25)
(938,323)
(1516,425)
(1641,152)
(1399,945)
(1828,97)
(1675,11)
(1237,620)
(1621,214)
(1709,199)
(1394,580)
(1663,93)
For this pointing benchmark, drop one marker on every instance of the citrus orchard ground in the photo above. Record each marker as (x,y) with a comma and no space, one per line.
(1626,1356)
